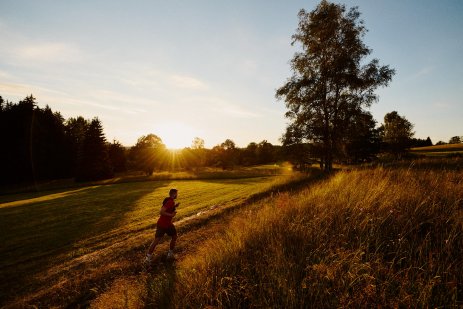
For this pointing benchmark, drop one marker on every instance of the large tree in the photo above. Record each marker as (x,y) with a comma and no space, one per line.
(196,156)
(265,152)
(148,153)
(397,133)
(331,79)
(363,139)
(224,155)
(455,140)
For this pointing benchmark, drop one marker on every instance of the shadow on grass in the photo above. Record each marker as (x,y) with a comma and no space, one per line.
(160,286)
(41,188)
(38,234)
(35,235)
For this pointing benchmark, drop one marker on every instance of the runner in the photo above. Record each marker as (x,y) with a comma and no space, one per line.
(165,225)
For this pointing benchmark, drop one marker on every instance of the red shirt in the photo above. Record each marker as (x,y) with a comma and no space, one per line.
(166,221)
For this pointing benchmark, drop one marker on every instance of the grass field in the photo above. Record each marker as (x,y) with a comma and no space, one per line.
(371,237)
(202,173)
(48,236)
(439,150)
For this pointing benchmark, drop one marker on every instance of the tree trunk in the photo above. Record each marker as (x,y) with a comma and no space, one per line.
(329,159)
(328,164)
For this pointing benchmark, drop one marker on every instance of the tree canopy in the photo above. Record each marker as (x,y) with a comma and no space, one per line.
(38,144)
(397,133)
(455,140)
(148,153)
(331,83)
(94,163)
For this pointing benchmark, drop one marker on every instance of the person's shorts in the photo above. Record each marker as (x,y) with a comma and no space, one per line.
(160,231)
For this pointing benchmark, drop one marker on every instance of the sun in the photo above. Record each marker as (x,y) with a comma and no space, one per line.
(176,135)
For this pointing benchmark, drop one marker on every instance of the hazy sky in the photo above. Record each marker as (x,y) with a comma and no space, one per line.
(181,69)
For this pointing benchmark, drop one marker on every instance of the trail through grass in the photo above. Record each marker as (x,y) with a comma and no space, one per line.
(43,236)
(382,237)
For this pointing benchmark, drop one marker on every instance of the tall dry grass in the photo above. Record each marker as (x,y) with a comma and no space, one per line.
(391,238)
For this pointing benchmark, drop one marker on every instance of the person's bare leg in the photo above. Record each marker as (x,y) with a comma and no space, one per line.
(172,242)
(154,244)
(170,254)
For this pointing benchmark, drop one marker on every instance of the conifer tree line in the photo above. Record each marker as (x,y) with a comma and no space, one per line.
(39,144)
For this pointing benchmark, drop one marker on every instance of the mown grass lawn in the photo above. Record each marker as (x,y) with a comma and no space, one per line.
(40,231)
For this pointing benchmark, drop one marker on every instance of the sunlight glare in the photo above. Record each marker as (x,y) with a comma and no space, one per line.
(176,135)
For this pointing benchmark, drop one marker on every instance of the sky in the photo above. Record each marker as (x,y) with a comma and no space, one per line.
(181,69)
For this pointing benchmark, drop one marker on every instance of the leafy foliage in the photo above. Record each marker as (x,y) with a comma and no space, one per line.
(330,85)
(146,154)
(397,133)
(456,140)
(117,156)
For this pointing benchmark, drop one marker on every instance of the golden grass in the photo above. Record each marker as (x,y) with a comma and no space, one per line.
(124,293)
(390,238)
(10,193)
(63,248)
(445,148)
(43,237)
(362,238)
(24,200)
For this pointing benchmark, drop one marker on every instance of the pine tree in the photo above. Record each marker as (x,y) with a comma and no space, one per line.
(94,163)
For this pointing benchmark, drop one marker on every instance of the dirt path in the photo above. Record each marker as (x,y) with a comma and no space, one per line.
(153,287)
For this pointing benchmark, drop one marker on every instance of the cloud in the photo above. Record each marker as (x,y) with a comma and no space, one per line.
(189,82)
(235,110)
(121,99)
(13,89)
(102,99)
(23,50)
(21,90)
(141,78)
(162,81)
(49,52)
(422,72)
